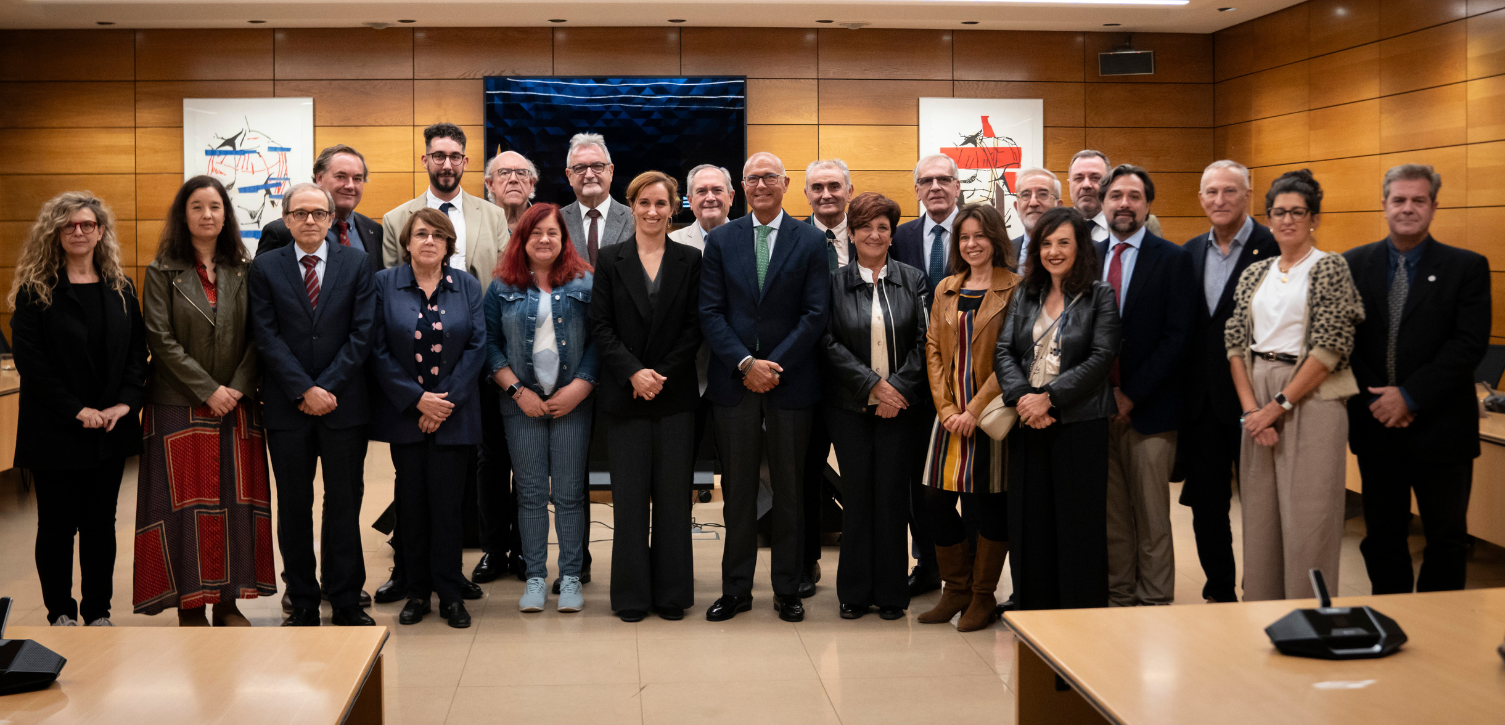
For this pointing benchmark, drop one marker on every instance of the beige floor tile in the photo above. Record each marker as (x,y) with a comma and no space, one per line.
(911,700)
(503,622)
(893,655)
(586,662)
(424,661)
(790,702)
(724,659)
(995,645)
(418,705)
(547,705)
(756,623)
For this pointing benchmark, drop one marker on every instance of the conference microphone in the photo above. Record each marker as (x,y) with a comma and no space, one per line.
(24,664)
(1335,633)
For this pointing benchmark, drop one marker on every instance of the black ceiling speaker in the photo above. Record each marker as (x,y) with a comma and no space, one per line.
(1335,633)
(1123,60)
(24,664)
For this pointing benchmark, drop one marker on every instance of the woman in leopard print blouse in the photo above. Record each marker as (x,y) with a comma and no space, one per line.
(1288,345)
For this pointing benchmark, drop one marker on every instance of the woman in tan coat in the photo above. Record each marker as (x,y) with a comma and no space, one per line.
(964,463)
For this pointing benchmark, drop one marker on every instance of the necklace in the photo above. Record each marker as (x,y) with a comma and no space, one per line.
(1285,274)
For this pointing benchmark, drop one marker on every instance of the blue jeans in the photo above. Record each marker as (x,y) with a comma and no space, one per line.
(549,466)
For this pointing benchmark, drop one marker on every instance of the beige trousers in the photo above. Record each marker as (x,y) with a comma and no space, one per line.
(1292,493)
(1141,556)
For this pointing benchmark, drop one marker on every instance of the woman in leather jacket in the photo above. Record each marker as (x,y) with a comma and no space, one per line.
(1052,360)
(874,398)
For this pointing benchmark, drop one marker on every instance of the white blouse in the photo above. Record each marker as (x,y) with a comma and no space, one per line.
(545,348)
(877,332)
(1279,307)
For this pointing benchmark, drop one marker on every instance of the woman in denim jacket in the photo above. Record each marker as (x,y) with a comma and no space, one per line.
(539,351)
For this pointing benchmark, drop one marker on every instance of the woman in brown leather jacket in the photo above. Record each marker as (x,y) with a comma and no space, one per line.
(203,511)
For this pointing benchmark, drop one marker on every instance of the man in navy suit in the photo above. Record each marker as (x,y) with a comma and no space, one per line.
(1152,279)
(1209,438)
(341,171)
(764,288)
(311,316)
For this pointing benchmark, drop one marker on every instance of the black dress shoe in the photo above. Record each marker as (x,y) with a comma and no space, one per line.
(673,614)
(853,611)
(808,578)
(890,613)
(585,574)
(489,568)
(395,590)
(727,607)
(1007,606)
(351,617)
(365,598)
(516,566)
(923,579)
(287,603)
(631,615)
(470,589)
(413,611)
(790,610)
(302,618)
(455,614)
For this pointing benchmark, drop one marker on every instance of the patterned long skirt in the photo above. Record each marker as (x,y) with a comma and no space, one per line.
(203,509)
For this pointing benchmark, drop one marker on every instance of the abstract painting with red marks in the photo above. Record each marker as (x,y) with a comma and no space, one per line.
(991,140)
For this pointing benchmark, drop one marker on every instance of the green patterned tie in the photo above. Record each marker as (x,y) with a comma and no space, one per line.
(762,250)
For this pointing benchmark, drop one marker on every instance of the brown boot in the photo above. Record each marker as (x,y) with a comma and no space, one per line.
(985,573)
(192,617)
(956,577)
(226,614)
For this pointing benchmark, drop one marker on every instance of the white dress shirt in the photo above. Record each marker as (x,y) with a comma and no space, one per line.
(843,238)
(1280,307)
(877,331)
(773,234)
(945,240)
(585,220)
(1126,262)
(1099,226)
(456,217)
(322,253)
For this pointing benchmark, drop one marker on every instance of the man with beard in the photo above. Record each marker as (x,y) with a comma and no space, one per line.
(711,191)
(1152,279)
(510,182)
(594,218)
(1036,191)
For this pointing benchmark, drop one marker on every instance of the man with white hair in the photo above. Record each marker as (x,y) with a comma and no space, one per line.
(594,218)
(828,188)
(1210,432)
(511,179)
(711,192)
(1036,191)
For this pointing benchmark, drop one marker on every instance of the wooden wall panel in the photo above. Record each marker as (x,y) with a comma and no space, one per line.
(1265,42)
(1060,145)
(1267,142)
(386,148)
(1486,109)
(1182,229)
(61,151)
(1176,194)
(67,55)
(355,102)
(161,103)
(1179,57)
(872,148)
(1273,92)
(459,102)
(1424,119)
(343,53)
(783,101)
(1348,184)
(1149,105)
(148,236)
(796,146)
(386,191)
(1486,45)
(896,185)
(481,52)
(752,52)
(1486,174)
(1427,58)
(1159,149)
(795,204)
(1352,75)
(1484,225)
(1348,130)
(898,54)
(1341,24)
(125,238)
(22,196)
(1450,161)
(1404,16)
(1006,55)
(1065,103)
(879,103)
(154,193)
(1476,7)
(1340,231)
(67,105)
(12,237)
(203,54)
(616,51)
(159,150)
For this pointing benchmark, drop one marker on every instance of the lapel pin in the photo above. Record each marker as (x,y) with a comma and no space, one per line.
(1431,278)
(1256,252)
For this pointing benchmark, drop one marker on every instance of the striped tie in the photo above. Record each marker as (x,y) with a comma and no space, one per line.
(311,280)
(761,249)
(1399,288)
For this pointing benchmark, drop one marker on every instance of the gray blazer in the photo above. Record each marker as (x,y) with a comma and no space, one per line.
(616,228)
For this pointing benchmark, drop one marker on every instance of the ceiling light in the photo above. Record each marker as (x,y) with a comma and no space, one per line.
(676,20)
(1224,10)
(556,20)
(825,21)
(407,21)
(256,22)
(104,22)
(1112,25)
(969,22)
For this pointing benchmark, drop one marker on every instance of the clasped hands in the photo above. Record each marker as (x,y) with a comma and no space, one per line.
(106,419)
(222,401)
(762,376)
(318,401)
(1390,407)
(433,409)
(1034,410)
(647,384)
(890,400)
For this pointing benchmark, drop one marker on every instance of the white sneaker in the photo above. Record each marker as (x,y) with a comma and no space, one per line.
(535,595)
(570,599)
(102,622)
(65,621)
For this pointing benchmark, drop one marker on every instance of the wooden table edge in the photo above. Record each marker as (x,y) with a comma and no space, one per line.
(372,667)
(1062,672)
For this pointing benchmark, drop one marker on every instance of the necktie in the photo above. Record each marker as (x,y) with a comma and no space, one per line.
(1399,288)
(343,227)
(831,260)
(592,237)
(1115,280)
(311,280)
(445,207)
(761,248)
(937,255)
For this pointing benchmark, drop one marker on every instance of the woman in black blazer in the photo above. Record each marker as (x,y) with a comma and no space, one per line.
(644,317)
(80,347)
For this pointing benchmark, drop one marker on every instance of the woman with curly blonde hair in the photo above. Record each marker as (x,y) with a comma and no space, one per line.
(80,347)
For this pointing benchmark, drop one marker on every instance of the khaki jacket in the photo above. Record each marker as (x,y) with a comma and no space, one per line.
(486,233)
(941,341)
(195,347)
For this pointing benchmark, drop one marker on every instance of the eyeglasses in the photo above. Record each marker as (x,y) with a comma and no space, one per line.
(509,173)
(939,180)
(425,236)
(1298,213)
(597,168)
(82,227)
(302,215)
(1041,194)
(764,179)
(439,157)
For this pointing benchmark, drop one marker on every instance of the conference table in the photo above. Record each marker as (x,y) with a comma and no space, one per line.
(1212,663)
(155,675)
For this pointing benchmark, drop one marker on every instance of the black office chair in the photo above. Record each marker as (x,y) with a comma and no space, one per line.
(1492,367)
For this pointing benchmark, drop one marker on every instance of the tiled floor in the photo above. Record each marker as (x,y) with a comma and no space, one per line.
(591,668)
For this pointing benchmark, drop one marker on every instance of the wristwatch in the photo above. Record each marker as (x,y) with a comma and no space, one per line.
(514,389)
(1283,401)
(745,365)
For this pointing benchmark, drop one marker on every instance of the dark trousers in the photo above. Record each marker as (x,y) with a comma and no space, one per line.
(983,514)
(1058,515)
(875,456)
(922,543)
(816,456)
(295,454)
(1442,492)
(1209,456)
(495,497)
(430,487)
(652,466)
(742,433)
(78,500)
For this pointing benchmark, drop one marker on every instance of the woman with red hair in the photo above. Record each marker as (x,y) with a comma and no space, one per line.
(539,350)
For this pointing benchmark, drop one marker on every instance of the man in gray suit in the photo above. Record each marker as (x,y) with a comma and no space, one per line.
(594,219)
(1036,191)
